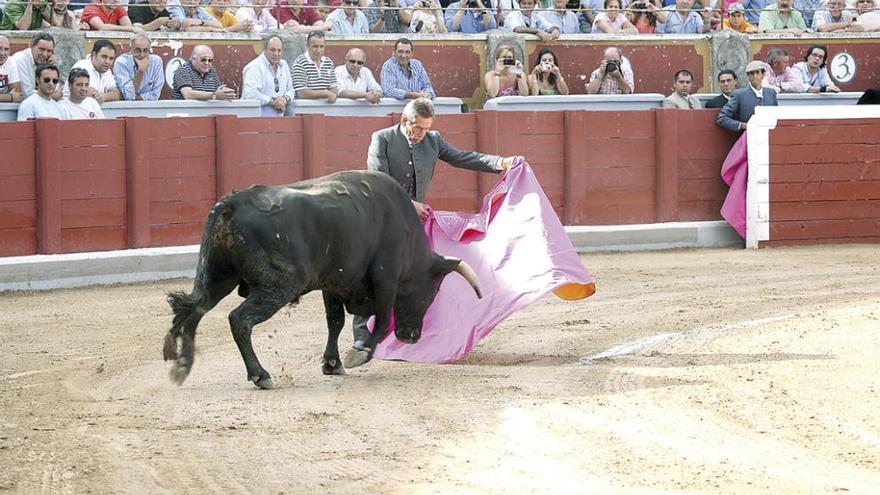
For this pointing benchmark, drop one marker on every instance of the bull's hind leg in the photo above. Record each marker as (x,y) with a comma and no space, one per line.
(188,311)
(335,311)
(259,306)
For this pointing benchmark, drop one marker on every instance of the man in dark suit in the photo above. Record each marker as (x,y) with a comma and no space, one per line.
(408,152)
(727,83)
(737,112)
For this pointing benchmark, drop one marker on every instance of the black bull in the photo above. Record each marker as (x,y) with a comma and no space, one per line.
(353,235)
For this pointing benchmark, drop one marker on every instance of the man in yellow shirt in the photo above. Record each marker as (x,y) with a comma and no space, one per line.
(220,10)
(737,21)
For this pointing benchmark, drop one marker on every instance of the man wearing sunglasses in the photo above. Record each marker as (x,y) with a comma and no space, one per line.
(41,104)
(348,20)
(267,80)
(198,80)
(356,81)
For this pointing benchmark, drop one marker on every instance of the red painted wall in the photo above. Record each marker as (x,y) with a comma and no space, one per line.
(137,182)
(824,182)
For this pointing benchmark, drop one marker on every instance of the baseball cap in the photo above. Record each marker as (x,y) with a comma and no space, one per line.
(735,7)
(755,65)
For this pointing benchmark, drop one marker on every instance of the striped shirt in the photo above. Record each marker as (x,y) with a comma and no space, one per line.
(396,83)
(186,76)
(307,75)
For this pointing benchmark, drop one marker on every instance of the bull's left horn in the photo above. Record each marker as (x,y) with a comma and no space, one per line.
(468,273)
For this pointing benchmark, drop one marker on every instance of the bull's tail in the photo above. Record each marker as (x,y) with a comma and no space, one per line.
(189,308)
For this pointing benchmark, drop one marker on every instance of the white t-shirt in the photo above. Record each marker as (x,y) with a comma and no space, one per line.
(100,82)
(869,20)
(37,106)
(23,68)
(87,109)
(4,76)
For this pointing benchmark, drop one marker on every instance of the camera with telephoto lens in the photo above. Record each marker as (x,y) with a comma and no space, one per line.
(612,66)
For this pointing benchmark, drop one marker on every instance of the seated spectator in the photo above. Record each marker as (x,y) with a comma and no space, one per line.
(589,9)
(561,18)
(193,18)
(25,15)
(508,78)
(61,16)
(22,65)
(613,76)
(524,21)
(779,75)
(782,18)
(79,105)
(612,21)
(545,78)
(259,15)
(427,17)
(753,9)
(197,79)
(41,102)
(813,73)
(98,65)
(152,16)
(222,11)
(348,20)
(808,9)
(386,16)
(868,18)
(354,81)
(299,18)
(836,18)
(108,15)
(502,8)
(139,74)
(7,94)
(736,20)
(267,79)
(404,77)
(727,83)
(313,73)
(682,97)
(323,8)
(680,19)
(470,16)
(643,16)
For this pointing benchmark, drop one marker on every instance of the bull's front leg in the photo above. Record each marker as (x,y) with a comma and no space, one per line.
(358,356)
(335,311)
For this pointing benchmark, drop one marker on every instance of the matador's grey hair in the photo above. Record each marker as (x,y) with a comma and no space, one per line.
(421,107)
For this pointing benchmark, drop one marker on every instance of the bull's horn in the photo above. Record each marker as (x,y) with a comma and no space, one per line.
(468,273)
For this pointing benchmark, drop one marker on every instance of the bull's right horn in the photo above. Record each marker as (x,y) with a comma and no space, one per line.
(468,273)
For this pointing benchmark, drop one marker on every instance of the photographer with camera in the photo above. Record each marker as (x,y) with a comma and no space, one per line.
(507,79)
(469,16)
(613,76)
(545,78)
(386,16)
(522,21)
(427,17)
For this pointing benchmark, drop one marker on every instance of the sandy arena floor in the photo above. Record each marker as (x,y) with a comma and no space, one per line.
(754,372)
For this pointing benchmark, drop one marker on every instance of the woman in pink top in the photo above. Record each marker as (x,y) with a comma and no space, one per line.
(641,15)
(507,79)
(611,21)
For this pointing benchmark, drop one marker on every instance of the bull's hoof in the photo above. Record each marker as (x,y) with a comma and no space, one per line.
(356,357)
(169,350)
(332,367)
(179,371)
(265,383)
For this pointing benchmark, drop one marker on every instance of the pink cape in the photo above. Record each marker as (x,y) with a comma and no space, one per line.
(519,251)
(735,173)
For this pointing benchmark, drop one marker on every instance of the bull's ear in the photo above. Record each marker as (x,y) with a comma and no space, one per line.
(443,265)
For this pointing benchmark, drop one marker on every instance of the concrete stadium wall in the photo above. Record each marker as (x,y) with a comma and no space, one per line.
(76,186)
(456,62)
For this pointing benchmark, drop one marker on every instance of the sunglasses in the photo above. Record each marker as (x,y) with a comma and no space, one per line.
(358,62)
(207,60)
(50,80)
(277,87)
(351,2)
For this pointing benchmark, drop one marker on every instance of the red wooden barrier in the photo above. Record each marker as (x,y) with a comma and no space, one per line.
(136,182)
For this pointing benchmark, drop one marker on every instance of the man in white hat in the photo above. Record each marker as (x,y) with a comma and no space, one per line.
(741,106)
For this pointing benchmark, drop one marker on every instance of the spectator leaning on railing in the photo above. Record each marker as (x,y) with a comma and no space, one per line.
(427,17)
(267,79)
(868,17)
(108,15)
(259,15)
(754,8)
(152,16)
(354,81)
(560,17)
(198,80)
(312,72)
(736,20)
(682,97)
(469,16)
(223,12)
(25,15)
(192,17)
(404,77)
(808,9)
(612,21)
(386,16)
(139,74)
(813,73)
(349,19)
(681,19)
(23,64)
(297,17)
(524,21)
(782,18)
(779,75)
(835,18)
(79,105)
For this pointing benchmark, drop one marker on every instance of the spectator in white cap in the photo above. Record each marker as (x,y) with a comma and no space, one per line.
(741,106)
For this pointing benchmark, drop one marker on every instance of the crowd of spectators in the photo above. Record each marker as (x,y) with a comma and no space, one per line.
(545,18)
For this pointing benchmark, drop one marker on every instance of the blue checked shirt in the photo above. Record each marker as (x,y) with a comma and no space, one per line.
(124,70)
(396,83)
(469,23)
(692,24)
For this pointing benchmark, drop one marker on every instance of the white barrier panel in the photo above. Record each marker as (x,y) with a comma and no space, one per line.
(362,108)
(181,108)
(638,101)
(805,99)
